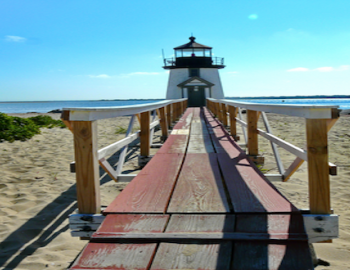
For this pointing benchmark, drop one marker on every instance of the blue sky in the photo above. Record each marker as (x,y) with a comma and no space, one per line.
(72,50)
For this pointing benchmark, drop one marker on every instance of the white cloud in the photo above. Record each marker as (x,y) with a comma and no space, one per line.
(321,69)
(252,16)
(344,67)
(298,69)
(101,76)
(15,39)
(140,73)
(325,69)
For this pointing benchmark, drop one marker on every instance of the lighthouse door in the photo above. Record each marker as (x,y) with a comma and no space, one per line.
(196,96)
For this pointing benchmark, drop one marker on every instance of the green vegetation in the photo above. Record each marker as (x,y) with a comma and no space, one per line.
(14,128)
(121,130)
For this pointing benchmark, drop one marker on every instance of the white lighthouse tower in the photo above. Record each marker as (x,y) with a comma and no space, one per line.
(194,74)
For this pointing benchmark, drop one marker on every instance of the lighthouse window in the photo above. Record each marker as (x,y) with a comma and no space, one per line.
(207,53)
(193,72)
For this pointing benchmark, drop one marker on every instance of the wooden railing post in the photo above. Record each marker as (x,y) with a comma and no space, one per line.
(168,115)
(163,123)
(145,134)
(252,121)
(217,110)
(233,123)
(224,114)
(86,167)
(318,169)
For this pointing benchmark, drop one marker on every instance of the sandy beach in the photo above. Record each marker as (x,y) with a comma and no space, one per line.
(37,190)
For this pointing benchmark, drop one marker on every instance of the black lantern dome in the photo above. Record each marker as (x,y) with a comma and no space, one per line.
(193,55)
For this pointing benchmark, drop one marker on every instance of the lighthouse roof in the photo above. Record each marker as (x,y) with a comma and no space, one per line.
(192,44)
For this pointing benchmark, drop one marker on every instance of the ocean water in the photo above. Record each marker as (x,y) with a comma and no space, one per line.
(343,103)
(46,106)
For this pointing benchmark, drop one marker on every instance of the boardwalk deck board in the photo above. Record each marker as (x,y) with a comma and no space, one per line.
(249,191)
(122,256)
(199,182)
(150,190)
(199,187)
(196,256)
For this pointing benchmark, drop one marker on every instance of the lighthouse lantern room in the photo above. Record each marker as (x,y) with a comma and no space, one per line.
(194,74)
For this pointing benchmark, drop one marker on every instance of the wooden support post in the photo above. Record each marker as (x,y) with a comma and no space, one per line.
(145,134)
(163,123)
(252,121)
(168,115)
(224,114)
(86,167)
(317,153)
(218,111)
(233,123)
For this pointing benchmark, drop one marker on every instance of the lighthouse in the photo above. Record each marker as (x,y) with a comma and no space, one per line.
(194,74)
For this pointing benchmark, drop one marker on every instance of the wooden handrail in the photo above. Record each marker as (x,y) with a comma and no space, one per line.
(319,120)
(82,123)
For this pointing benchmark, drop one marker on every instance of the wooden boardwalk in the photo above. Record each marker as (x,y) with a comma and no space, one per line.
(200,203)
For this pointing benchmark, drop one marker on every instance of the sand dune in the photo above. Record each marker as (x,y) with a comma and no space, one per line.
(37,191)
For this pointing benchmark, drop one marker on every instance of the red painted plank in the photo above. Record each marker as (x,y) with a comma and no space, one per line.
(249,190)
(174,144)
(132,223)
(199,187)
(185,120)
(115,256)
(121,256)
(150,190)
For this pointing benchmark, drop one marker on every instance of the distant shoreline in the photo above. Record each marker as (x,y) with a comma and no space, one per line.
(142,99)
(293,97)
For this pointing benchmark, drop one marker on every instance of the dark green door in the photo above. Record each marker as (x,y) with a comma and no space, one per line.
(196,96)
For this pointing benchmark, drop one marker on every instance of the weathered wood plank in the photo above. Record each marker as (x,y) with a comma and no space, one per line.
(150,190)
(185,120)
(199,187)
(196,256)
(249,190)
(115,256)
(193,256)
(201,223)
(174,144)
(271,224)
(272,256)
(131,223)
(122,256)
